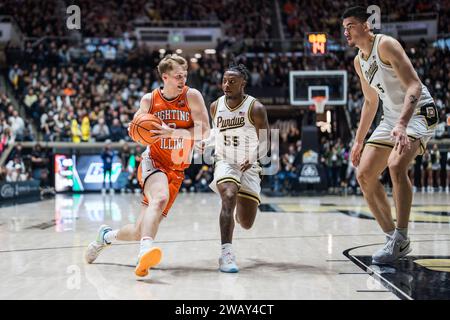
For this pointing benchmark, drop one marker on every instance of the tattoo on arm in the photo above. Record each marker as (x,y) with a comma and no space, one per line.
(413,99)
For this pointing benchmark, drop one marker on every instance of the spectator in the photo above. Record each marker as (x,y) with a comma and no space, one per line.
(203,178)
(427,174)
(107,157)
(117,131)
(125,154)
(75,130)
(15,76)
(435,157)
(85,129)
(16,174)
(39,165)
(6,138)
(30,99)
(100,132)
(17,125)
(3,173)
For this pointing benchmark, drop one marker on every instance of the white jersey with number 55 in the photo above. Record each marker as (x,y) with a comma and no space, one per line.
(236,136)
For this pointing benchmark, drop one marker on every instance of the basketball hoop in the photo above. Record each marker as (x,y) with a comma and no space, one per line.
(319,103)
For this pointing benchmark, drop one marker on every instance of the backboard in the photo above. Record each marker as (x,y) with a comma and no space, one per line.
(304,85)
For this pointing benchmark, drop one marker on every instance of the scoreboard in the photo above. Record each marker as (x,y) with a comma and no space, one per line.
(316,43)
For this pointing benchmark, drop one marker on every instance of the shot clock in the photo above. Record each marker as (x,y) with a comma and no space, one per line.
(316,43)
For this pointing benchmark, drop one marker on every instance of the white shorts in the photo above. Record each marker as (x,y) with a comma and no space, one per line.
(248,182)
(419,127)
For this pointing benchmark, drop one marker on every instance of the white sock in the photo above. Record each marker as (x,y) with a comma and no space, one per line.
(146,244)
(390,232)
(111,236)
(403,232)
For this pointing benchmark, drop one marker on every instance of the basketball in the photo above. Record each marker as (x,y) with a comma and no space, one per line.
(141,126)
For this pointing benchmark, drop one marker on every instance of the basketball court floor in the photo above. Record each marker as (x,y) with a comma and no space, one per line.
(299,248)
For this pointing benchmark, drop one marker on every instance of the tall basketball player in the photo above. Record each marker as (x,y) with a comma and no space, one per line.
(240,127)
(410,116)
(161,170)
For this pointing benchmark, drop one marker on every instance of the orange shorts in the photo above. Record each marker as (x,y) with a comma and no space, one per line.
(175,178)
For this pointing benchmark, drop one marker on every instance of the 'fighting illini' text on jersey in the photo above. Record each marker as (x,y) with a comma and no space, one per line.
(172,153)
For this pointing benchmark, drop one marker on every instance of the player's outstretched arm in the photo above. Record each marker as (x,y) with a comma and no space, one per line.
(368,112)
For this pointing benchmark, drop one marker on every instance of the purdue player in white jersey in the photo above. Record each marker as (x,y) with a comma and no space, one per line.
(410,116)
(240,126)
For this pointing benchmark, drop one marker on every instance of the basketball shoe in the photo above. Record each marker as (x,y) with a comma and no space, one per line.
(227,262)
(395,248)
(147,260)
(95,247)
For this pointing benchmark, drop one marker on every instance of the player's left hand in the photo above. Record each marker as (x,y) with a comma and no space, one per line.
(245,165)
(398,134)
(163,131)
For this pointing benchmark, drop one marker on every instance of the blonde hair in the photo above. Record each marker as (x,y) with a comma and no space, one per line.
(167,63)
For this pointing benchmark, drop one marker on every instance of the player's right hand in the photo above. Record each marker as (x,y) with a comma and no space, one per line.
(355,155)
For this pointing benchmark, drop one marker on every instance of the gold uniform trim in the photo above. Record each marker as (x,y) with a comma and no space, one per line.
(422,146)
(249,198)
(371,50)
(249,112)
(238,106)
(389,145)
(248,195)
(381,144)
(217,106)
(228,179)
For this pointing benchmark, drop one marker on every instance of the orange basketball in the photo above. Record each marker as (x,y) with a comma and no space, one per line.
(140,128)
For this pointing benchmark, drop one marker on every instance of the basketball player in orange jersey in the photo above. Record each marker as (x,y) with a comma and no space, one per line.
(161,171)
(409,119)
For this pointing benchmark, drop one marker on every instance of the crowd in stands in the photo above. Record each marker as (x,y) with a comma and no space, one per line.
(114,18)
(300,16)
(36,18)
(89,98)
(75,102)
(24,164)
(242,18)
(89,93)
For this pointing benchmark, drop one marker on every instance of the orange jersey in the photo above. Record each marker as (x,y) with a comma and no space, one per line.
(172,153)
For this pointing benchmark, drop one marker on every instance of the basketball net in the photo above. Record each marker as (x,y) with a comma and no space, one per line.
(319,103)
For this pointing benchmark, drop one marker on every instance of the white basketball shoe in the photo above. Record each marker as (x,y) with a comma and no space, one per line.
(227,262)
(395,248)
(95,247)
